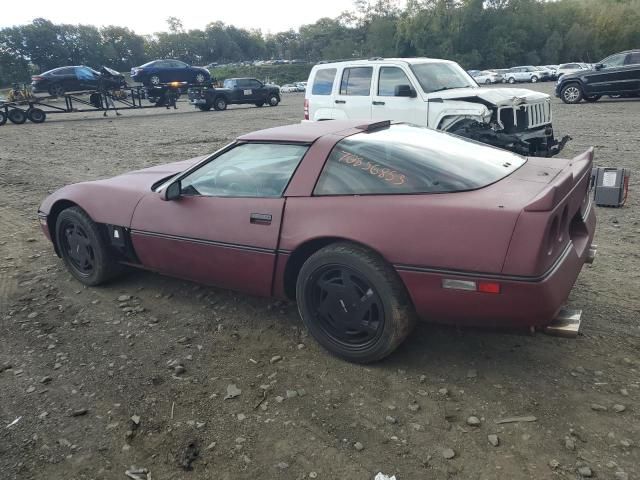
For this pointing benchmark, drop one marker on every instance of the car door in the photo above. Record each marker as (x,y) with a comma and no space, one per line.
(244,92)
(353,98)
(224,227)
(609,78)
(632,72)
(386,102)
(258,91)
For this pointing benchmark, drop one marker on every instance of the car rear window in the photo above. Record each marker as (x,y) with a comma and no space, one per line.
(405,159)
(323,81)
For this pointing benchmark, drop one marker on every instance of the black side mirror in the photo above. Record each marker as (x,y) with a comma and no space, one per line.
(405,91)
(599,66)
(173,191)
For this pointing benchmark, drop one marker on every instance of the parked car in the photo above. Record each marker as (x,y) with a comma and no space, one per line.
(554,71)
(546,74)
(235,91)
(618,74)
(301,86)
(486,77)
(571,68)
(433,93)
(527,73)
(367,225)
(61,80)
(288,88)
(159,72)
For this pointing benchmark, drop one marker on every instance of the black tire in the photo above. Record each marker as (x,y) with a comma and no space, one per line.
(593,98)
(487,82)
(56,90)
(571,93)
(17,116)
(3,118)
(204,108)
(36,115)
(273,100)
(154,80)
(220,103)
(84,248)
(259,104)
(534,79)
(344,275)
(512,80)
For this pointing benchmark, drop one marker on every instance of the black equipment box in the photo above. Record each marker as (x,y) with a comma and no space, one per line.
(610,186)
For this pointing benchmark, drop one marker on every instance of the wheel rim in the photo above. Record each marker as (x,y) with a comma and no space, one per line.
(511,80)
(57,90)
(273,101)
(222,104)
(155,80)
(571,94)
(534,79)
(77,248)
(345,306)
(17,116)
(200,78)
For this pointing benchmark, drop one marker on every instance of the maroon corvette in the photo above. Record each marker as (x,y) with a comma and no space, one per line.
(368,226)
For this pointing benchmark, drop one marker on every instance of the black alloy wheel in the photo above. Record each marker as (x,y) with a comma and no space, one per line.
(56,90)
(353,302)
(77,248)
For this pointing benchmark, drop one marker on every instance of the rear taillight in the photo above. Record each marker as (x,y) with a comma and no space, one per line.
(36,78)
(481,286)
(306,109)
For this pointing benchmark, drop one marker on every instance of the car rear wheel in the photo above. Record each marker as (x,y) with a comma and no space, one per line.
(3,118)
(200,78)
(534,79)
(593,98)
(56,90)
(220,104)
(84,248)
(571,94)
(36,115)
(17,116)
(353,303)
(512,80)
(154,80)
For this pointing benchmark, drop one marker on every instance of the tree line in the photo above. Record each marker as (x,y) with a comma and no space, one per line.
(475,33)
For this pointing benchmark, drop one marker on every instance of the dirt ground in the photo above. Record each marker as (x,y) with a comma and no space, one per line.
(86,371)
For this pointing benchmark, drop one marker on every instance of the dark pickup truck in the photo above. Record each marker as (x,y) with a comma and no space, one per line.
(235,91)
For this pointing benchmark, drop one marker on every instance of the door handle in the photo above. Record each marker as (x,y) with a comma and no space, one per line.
(378,103)
(260,219)
(341,101)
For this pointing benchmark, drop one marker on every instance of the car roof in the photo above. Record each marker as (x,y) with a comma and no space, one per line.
(386,61)
(307,132)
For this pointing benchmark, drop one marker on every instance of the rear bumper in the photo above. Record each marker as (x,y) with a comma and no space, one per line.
(522,301)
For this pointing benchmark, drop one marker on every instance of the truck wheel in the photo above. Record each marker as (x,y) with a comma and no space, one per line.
(571,93)
(353,303)
(3,118)
(204,108)
(220,103)
(592,99)
(17,116)
(273,100)
(36,115)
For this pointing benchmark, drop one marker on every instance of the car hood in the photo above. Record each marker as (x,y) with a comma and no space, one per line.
(494,96)
(113,200)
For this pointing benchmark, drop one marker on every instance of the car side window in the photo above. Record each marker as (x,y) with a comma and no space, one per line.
(356,81)
(254,84)
(633,59)
(389,78)
(247,170)
(323,81)
(614,61)
(65,71)
(84,73)
(229,83)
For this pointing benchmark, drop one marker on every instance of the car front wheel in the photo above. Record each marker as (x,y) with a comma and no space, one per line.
(200,78)
(56,90)
(220,104)
(353,303)
(273,100)
(154,80)
(84,248)
(571,94)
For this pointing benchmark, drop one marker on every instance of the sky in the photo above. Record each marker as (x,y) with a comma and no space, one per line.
(143,16)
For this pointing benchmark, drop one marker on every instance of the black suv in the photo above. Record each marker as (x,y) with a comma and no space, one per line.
(617,75)
(235,91)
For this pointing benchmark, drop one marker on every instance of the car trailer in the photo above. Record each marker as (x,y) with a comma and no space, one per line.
(128,98)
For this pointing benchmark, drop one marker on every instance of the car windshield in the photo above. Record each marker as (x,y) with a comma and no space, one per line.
(434,77)
(404,159)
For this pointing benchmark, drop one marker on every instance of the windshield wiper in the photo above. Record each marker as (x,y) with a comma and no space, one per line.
(447,88)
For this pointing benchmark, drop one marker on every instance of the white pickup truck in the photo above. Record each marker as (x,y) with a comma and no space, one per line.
(432,93)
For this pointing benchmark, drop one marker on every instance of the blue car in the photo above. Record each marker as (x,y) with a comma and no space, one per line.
(159,72)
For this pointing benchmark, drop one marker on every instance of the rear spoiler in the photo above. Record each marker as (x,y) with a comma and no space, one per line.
(563,183)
